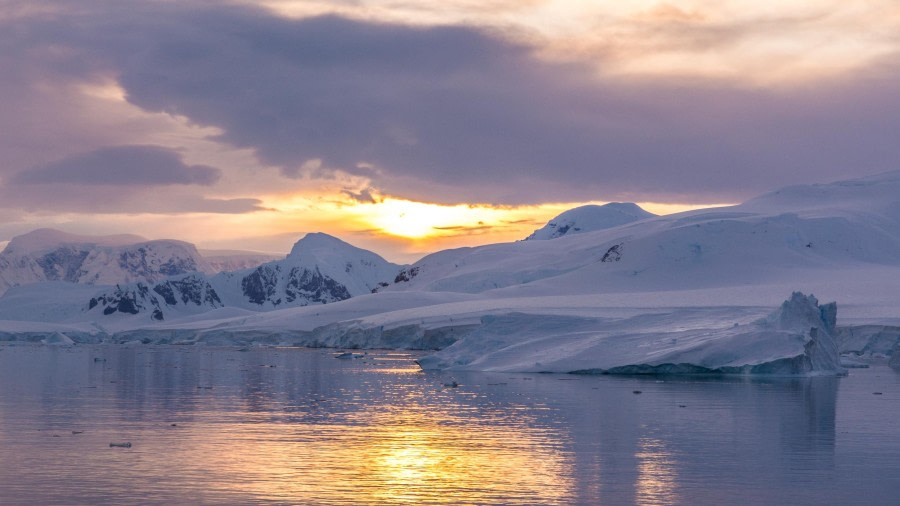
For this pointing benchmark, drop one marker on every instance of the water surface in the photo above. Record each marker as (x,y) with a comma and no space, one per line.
(285,425)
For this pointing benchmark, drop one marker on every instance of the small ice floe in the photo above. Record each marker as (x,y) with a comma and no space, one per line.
(58,339)
(451,384)
(349,355)
(120,445)
(853,363)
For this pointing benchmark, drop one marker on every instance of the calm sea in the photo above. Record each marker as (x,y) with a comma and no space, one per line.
(297,426)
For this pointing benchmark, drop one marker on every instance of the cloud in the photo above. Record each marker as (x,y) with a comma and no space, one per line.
(466,230)
(461,114)
(121,166)
(53,198)
(363,196)
(129,179)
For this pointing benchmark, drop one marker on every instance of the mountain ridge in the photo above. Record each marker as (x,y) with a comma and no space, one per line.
(320,269)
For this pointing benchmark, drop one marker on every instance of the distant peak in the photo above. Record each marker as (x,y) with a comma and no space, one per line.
(590,218)
(316,241)
(44,239)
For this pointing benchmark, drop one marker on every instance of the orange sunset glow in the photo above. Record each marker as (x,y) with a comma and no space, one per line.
(401,229)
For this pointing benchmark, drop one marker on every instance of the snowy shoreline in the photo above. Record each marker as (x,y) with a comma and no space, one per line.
(799,338)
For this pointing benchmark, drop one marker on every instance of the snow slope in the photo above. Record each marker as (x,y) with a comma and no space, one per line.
(791,235)
(51,255)
(590,218)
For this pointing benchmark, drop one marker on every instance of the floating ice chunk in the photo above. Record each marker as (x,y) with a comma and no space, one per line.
(58,339)
(894,362)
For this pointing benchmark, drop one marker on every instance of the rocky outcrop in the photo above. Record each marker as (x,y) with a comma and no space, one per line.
(140,297)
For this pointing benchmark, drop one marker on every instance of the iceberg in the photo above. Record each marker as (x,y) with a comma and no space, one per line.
(894,362)
(796,339)
(58,339)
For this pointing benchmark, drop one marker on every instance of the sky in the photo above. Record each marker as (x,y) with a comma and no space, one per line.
(408,127)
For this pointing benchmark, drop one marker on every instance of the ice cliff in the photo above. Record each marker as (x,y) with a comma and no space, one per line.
(796,339)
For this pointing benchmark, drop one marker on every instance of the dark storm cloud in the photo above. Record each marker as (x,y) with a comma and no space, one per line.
(121,166)
(465,110)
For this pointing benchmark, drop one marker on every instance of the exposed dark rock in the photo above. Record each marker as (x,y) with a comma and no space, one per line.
(165,290)
(406,274)
(314,286)
(63,264)
(613,254)
(259,286)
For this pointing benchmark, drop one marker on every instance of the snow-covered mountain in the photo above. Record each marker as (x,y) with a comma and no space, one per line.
(785,235)
(231,260)
(52,255)
(319,269)
(590,218)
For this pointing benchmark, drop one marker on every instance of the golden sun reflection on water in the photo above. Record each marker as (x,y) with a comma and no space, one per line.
(415,452)
(399,460)
(657,474)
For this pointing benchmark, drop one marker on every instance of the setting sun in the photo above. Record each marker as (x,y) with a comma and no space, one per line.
(415,220)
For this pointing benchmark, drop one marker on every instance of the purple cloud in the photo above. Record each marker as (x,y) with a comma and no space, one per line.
(121,166)
(457,114)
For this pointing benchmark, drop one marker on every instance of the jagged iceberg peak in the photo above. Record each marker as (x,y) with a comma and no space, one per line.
(589,218)
(44,239)
(802,314)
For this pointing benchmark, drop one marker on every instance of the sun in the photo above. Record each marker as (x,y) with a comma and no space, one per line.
(416,220)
